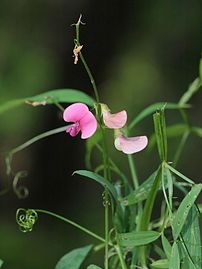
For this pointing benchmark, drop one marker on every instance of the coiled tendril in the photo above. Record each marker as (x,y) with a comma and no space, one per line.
(26,219)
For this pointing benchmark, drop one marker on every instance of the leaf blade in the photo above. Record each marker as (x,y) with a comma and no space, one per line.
(74,258)
(98,178)
(134,239)
(183,210)
(153,108)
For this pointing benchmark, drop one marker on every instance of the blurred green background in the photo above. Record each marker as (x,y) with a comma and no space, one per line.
(139,51)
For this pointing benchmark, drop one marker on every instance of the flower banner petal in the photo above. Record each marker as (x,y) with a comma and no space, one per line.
(75,112)
(116,120)
(130,145)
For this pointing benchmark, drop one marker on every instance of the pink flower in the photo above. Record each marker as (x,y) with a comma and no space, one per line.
(83,120)
(113,121)
(130,145)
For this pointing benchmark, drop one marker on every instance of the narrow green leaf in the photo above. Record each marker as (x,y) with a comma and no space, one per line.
(180,174)
(93,266)
(166,246)
(174,262)
(192,89)
(160,264)
(183,210)
(200,70)
(191,244)
(151,109)
(197,131)
(1,263)
(148,207)
(170,187)
(141,193)
(50,97)
(160,132)
(134,239)
(74,258)
(99,179)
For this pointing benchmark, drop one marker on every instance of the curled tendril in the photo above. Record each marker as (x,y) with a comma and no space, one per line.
(26,219)
(21,191)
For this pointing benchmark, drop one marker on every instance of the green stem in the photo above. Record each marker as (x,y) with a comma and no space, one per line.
(72,223)
(146,215)
(106,198)
(120,255)
(133,171)
(105,153)
(92,80)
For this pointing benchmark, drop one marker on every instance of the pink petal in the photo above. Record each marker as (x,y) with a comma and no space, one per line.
(75,112)
(130,145)
(115,121)
(88,125)
(73,129)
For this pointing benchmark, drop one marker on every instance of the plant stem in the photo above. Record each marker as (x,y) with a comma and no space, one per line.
(92,80)
(72,223)
(105,153)
(120,255)
(133,171)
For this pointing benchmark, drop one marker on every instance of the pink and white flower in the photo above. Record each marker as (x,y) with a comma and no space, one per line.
(115,120)
(130,145)
(83,120)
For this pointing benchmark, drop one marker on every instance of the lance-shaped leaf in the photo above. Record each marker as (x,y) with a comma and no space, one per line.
(183,210)
(93,266)
(151,109)
(134,239)
(98,178)
(50,97)
(174,262)
(191,241)
(141,193)
(192,89)
(74,258)
(160,264)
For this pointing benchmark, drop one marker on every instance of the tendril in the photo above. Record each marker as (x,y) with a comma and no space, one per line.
(26,219)
(21,191)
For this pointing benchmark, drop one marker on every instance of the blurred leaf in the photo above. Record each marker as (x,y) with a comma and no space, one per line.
(192,240)
(148,207)
(183,210)
(1,263)
(134,239)
(74,258)
(200,70)
(141,193)
(160,264)
(197,131)
(153,108)
(192,89)
(166,246)
(171,131)
(174,262)
(50,97)
(93,266)
(99,179)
